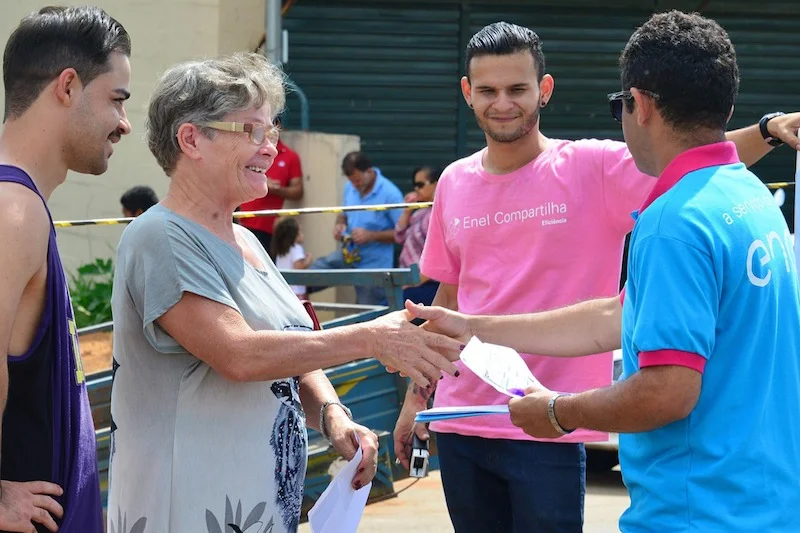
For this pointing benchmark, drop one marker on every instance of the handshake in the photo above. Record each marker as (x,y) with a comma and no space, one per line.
(582,329)
(420,353)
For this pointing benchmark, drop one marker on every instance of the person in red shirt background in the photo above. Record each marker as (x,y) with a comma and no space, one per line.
(284,182)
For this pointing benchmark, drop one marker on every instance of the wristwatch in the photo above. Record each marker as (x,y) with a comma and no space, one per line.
(322,426)
(551,413)
(762,125)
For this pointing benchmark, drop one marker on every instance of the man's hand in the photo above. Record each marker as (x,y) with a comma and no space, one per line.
(411,198)
(22,504)
(338,231)
(442,320)
(273,186)
(415,402)
(421,355)
(785,127)
(342,432)
(403,439)
(530,413)
(361,236)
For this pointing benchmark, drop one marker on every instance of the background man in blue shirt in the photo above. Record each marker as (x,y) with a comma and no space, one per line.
(709,404)
(367,235)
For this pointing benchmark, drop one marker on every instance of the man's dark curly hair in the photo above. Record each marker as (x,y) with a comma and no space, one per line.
(689,62)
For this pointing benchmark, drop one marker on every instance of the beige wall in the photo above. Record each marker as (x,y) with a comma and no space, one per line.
(321,155)
(163,33)
(241,24)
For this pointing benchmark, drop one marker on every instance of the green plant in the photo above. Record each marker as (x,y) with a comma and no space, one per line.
(91,292)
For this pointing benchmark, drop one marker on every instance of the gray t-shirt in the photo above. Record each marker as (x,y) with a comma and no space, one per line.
(191,450)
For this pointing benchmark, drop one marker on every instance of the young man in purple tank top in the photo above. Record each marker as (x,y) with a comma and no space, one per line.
(67,75)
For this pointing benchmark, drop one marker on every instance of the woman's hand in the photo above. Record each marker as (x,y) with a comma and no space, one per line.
(342,432)
(414,352)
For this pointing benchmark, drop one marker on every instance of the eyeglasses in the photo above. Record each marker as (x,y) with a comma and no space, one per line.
(420,184)
(615,101)
(258,133)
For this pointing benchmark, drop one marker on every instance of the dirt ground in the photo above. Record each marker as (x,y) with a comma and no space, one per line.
(422,509)
(96,351)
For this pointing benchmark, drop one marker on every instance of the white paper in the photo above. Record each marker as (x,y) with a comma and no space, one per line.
(448,413)
(499,366)
(340,507)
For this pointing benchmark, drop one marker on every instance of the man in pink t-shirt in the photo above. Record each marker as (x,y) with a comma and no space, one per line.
(526,224)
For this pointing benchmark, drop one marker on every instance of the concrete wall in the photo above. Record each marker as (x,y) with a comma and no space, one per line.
(163,33)
(321,155)
(241,24)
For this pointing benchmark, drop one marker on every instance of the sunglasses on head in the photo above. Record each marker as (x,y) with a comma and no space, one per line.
(420,184)
(615,101)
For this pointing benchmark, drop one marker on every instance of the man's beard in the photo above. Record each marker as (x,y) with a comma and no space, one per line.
(519,133)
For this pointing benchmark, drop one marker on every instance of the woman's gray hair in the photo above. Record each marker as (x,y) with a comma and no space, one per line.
(199,92)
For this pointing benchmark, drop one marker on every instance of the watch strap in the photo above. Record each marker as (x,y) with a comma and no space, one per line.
(551,413)
(762,126)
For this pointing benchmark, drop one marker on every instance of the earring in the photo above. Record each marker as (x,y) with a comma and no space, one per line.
(543,104)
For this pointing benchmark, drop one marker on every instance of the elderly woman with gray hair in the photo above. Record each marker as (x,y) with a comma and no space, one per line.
(214,357)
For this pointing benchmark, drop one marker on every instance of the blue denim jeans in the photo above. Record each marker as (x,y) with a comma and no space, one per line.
(365,294)
(370,295)
(508,486)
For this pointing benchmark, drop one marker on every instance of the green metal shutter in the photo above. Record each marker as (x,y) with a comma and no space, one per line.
(582,46)
(767,52)
(387,72)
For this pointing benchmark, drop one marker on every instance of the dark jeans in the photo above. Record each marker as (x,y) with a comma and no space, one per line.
(422,294)
(370,295)
(365,295)
(333,260)
(497,485)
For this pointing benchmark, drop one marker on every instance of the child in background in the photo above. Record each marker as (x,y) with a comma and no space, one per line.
(287,250)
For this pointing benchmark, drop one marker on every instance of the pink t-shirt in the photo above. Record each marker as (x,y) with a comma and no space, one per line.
(545,236)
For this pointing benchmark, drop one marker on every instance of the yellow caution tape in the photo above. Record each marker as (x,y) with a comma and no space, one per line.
(253,214)
(780,184)
(305,211)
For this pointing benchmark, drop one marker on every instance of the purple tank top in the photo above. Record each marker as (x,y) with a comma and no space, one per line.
(48,433)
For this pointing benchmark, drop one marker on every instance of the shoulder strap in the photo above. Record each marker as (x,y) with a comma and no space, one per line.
(10,174)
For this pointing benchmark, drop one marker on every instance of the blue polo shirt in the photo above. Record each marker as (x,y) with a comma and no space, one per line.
(374,254)
(712,285)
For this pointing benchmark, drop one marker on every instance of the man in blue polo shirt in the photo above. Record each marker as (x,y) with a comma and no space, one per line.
(368,236)
(709,404)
